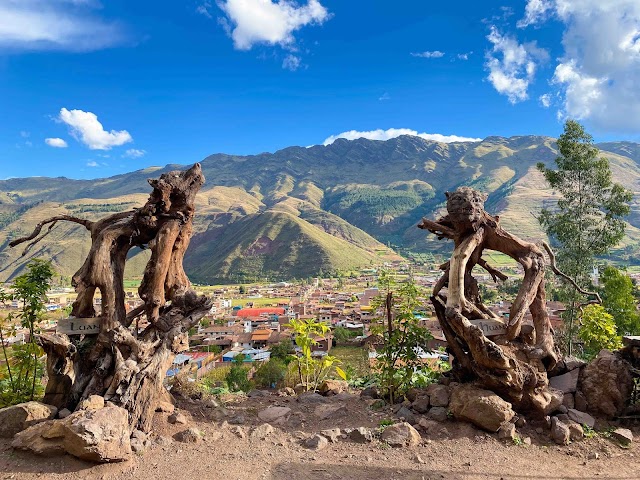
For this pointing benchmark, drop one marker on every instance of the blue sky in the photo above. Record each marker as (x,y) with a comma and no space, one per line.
(93,88)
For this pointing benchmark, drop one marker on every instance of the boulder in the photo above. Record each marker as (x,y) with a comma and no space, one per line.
(333,387)
(407,415)
(481,407)
(560,432)
(92,435)
(572,363)
(361,435)
(257,393)
(623,435)
(438,395)
(166,407)
(607,384)
(555,398)
(286,392)
(581,417)
(421,404)
(178,418)
(580,402)
(94,402)
(191,435)
(576,432)
(332,434)
(507,431)
(64,413)
(566,383)
(277,415)
(439,414)
(16,418)
(371,392)
(261,432)
(401,435)
(569,400)
(317,442)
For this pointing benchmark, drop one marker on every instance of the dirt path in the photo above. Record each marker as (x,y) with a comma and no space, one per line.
(449,451)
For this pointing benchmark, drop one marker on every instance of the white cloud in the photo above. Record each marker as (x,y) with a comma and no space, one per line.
(55,24)
(291,62)
(86,128)
(56,142)
(133,153)
(396,132)
(432,54)
(92,163)
(384,97)
(251,22)
(512,66)
(25,134)
(203,9)
(464,56)
(536,11)
(545,100)
(598,74)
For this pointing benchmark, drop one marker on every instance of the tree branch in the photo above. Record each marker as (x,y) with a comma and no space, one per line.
(36,231)
(555,270)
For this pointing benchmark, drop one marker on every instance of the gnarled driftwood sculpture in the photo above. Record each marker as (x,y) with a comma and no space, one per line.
(120,364)
(513,365)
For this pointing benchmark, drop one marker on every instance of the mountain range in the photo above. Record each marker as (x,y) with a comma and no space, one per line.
(302,211)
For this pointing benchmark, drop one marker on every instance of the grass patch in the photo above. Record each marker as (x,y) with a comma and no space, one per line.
(355,358)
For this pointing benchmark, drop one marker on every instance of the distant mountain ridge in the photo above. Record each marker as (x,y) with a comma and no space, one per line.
(300,210)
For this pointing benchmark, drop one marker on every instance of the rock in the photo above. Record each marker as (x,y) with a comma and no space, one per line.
(190,435)
(93,402)
(165,407)
(607,384)
(361,435)
(563,417)
(276,415)
(139,435)
(413,394)
(593,456)
(371,392)
(623,435)
(421,404)
(286,392)
(571,363)
(527,441)
(580,402)
(507,431)
(562,409)
(576,432)
(92,435)
(428,425)
(261,432)
(311,397)
(237,420)
(177,418)
(419,459)
(568,401)
(581,417)
(520,422)
(64,413)
(332,434)
(257,393)
(238,431)
(163,441)
(407,415)
(317,442)
(333,387)
(481,407)
(566,383)
(376,404)
(560,432)
(214,436)
(401,435)
(439,414)
(438,395)
(555,397)
(329,411)
(16,418)
(211,403)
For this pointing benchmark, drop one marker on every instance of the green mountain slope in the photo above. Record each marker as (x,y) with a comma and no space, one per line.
(300,210)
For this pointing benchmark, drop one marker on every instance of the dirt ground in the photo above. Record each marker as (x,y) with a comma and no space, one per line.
(450,450)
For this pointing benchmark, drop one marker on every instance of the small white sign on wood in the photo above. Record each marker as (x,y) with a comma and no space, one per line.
(79,326)
(490,327)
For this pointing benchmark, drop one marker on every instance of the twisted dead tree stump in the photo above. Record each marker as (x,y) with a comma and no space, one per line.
(123,365)
(514,364)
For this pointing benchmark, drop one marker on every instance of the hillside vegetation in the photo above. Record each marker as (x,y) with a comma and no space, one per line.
(299,211)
